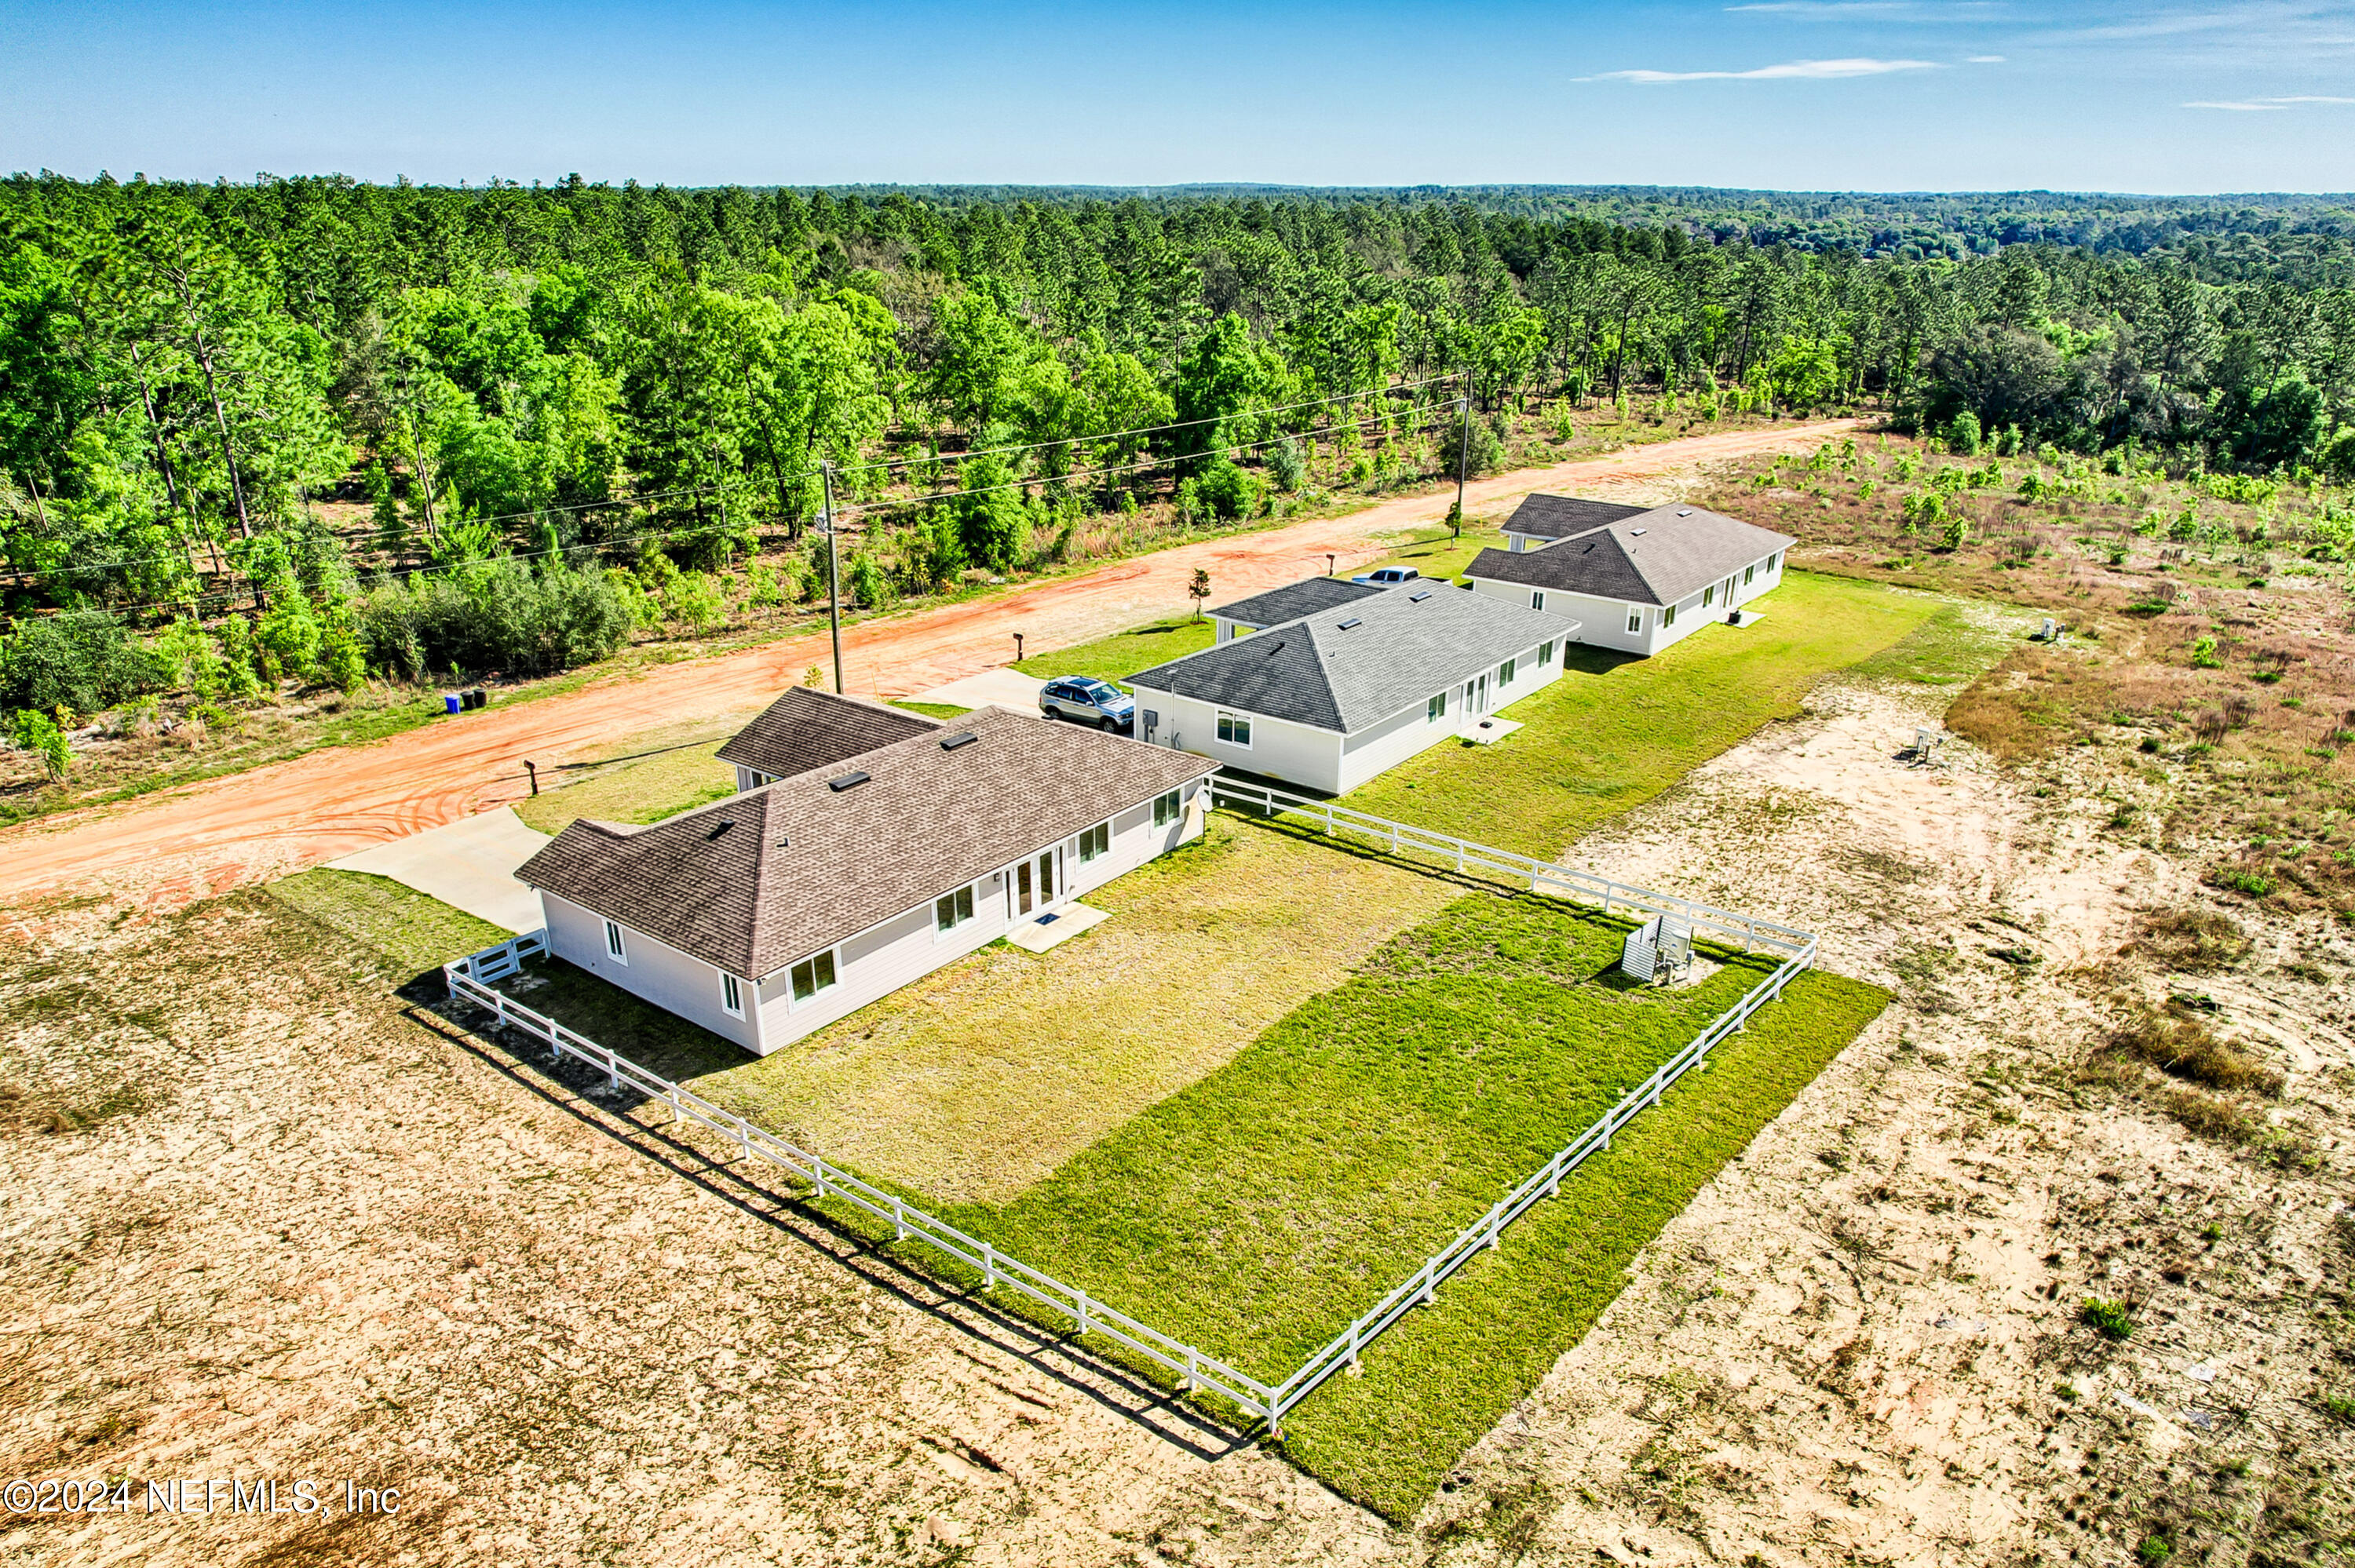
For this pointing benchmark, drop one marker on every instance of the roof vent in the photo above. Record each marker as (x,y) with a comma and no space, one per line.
(848,781)
(1684,511)
(1353,621)
(1632,533)
(719,828)
(962,737)
(1274,650)
(1415,598)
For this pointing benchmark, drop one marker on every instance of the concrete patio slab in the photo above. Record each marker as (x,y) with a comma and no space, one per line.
(1051,930)
(469,865)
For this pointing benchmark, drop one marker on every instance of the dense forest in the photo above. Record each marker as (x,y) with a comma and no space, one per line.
(543,405)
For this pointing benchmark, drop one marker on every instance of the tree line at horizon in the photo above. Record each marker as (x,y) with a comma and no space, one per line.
(522,383)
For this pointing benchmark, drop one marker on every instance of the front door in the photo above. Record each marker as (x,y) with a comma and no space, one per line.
(1022,888)
(1047,879)
(1480,703)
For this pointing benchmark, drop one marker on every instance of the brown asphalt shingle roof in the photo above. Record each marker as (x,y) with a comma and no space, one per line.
(753,883)
(808,728)
(1661,556)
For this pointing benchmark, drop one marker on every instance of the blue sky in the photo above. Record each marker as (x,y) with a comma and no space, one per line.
(1805,94)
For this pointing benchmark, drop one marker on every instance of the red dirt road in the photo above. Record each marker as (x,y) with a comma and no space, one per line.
(169,849)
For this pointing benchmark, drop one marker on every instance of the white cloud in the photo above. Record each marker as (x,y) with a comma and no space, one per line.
(2264,105)
(1790,70)
(1984,59)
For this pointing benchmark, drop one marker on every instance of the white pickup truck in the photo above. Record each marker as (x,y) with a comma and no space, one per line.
(1388,577)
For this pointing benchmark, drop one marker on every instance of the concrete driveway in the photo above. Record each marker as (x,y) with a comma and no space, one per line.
(469,864)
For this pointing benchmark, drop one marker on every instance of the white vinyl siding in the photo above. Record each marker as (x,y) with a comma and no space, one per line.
(656,972)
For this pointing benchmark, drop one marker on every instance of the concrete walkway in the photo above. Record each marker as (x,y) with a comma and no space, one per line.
(1006,686)
(469,864)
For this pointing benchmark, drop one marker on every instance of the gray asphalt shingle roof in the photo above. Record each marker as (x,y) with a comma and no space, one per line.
(1407,643)
(1294,600)
(808,728)
(759,880)
(1560,516)
(1660,557)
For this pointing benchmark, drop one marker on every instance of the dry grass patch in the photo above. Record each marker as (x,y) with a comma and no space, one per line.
(2194,939)
(2185,1048)
(976,1081)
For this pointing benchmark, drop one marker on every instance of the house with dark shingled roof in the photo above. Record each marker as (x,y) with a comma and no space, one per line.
(1335,697)
(1637,580)
(773,912)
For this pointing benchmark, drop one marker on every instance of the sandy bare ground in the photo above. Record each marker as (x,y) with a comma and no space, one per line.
(309,1233)
(222,833)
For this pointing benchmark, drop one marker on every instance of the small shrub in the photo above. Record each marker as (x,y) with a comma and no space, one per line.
(37,733)
(2154,1549)
(2110,1317)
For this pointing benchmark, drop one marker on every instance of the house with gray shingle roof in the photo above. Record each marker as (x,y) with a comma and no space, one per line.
(773,912)
(1333,698)
(1541,519)
(1290,602)
(1637,581)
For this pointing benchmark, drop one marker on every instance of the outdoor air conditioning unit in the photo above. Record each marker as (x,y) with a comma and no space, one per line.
(1657,952)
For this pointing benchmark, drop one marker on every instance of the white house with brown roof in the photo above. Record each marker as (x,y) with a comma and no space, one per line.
(774,912)
(1637,580)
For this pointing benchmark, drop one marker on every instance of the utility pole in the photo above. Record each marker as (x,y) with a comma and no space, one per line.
(1463,456)
(833,582)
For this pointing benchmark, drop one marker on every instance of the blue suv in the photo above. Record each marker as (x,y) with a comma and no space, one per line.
(1086,700)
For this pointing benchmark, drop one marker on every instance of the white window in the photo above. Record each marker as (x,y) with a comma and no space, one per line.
(1537,598)
(1164,809)
(1435,709)
(1635,620)
(1774,560)
(951,910)
(813,975)
(614,947)
(732,995)
(1669,616)
(1749,573)
(1504,672)
(1708,596)
(1545,655)
(1234,730)
(1095,842)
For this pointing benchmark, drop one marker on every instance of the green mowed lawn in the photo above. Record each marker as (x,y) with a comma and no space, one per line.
(1614,731)
(1122,654)
(1256,1211)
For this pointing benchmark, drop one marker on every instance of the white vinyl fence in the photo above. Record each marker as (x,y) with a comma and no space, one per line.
(472,980)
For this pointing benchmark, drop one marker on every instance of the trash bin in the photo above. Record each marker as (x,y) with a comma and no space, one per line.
(451,701)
